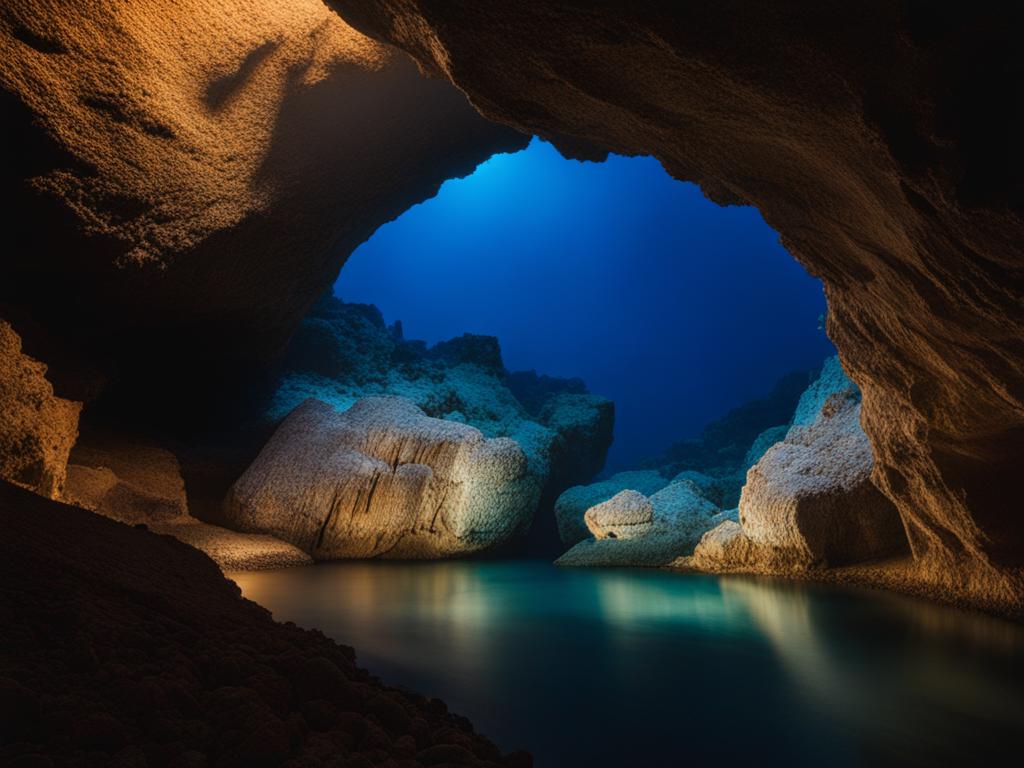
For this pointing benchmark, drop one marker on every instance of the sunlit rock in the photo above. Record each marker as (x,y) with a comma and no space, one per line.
(382,479)
(37,429)
(573,504)
(626,515)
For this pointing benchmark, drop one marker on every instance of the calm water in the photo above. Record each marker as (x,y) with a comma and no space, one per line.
(638,668)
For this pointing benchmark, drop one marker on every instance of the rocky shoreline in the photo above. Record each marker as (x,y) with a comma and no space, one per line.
(120,647)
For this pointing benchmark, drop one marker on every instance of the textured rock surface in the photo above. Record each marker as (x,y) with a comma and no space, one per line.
(37,429)
(233,550)
(573,504)
(344,352)
(119,647)
(626,515)
(128,480)
(880,139)
(680,515)
(138,482)
(809,502)
(191,176)
(811,495)
(382,479)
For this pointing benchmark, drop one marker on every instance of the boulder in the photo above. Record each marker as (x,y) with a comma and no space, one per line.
(138,482)
(626,515)
(573,504)
(37,428)
(725,547)
(134,481)
(680,516)
(811,496)
(383,479)
(762,443)
(585,423)
(344,352)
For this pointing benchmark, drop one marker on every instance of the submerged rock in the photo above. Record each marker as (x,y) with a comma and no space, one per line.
(573,504)
(37,428)
(626,515)
(382,479)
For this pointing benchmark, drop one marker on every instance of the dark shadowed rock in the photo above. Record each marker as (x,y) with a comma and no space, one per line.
(37,429)
(183,671)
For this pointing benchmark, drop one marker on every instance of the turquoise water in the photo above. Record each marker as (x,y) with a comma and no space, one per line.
(649,668)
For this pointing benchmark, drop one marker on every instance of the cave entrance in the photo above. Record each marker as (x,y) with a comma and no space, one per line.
(608,277)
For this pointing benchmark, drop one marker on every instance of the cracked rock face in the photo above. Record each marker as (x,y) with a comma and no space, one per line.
(880,139)
(382,479)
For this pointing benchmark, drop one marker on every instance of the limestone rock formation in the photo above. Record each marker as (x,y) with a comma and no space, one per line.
(119,647)
(343,352)
(37,429)
(382,479)
(626,515)
(893,176)
(191,176)
(679,516)
(574,502)
(132,481)
(810,502)
(811,495)
(138,482)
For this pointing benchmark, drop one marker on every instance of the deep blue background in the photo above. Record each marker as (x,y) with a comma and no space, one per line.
(672,306)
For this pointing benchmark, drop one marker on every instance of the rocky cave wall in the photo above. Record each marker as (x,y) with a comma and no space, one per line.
(184,179)
(880,139)
(188,179)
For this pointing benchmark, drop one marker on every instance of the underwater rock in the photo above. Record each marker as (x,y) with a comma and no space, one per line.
(37,429)
(831,380)
(809,502)
(910,156)
(714,489)
(726,547)
(382,479)
(585,423)
(573,504)
(626,515)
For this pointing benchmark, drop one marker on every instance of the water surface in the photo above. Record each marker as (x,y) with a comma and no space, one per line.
(637,668)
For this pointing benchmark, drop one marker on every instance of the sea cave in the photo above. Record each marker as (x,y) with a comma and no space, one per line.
(415,383)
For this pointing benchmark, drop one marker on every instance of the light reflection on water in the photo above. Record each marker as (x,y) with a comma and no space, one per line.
(617,667)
